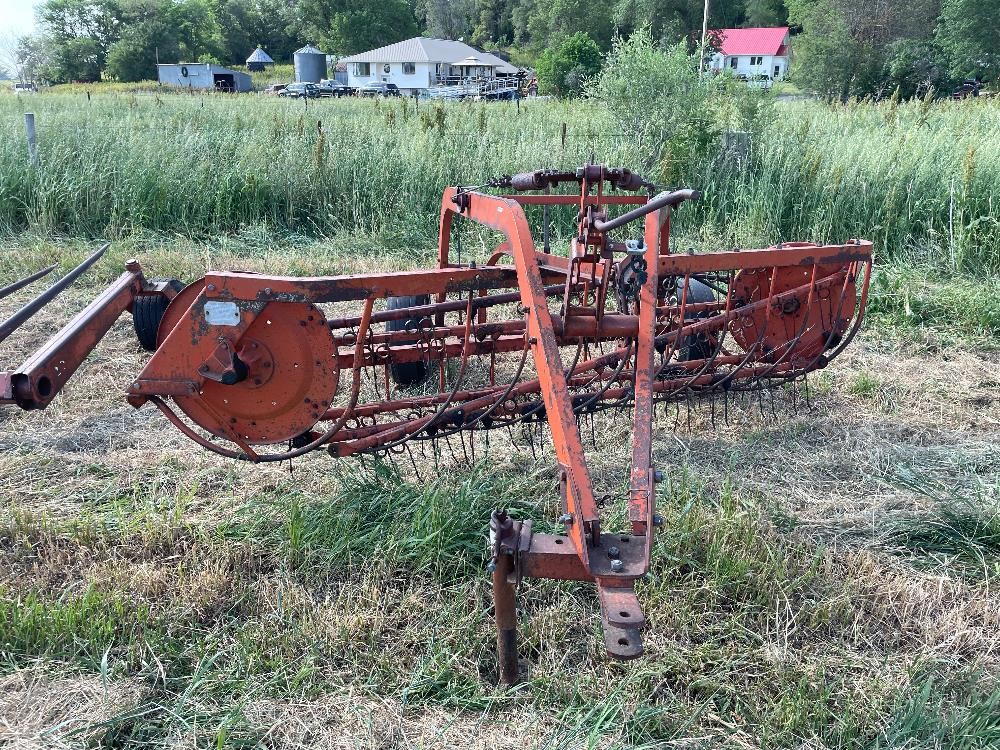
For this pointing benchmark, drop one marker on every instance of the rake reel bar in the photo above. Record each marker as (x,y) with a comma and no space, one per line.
(268,368)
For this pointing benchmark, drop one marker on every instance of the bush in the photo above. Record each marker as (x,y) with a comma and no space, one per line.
(664,106)
(565,70)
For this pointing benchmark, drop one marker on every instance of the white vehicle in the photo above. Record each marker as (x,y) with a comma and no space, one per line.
(24,88)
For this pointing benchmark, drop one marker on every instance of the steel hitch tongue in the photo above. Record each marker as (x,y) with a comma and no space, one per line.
(37,381)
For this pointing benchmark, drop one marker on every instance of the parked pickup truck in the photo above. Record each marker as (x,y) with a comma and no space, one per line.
(377,88)
(330,87)
(300,90)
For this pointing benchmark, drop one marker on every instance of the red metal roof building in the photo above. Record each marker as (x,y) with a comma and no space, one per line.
(758,53)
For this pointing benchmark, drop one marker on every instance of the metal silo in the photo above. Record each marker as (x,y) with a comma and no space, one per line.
(310,65)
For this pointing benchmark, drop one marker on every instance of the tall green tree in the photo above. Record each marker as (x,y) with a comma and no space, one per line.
(164,30)
(133,57)
(447,19)
(765,13)
(968,36)
(345,27)
(671,21)
(845,45)
(78,34)
(244,24)
(494,23)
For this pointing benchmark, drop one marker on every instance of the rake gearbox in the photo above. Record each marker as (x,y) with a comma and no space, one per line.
(268,368)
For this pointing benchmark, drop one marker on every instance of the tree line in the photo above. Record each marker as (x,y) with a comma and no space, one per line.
(841,48)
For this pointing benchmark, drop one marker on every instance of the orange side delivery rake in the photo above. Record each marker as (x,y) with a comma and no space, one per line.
(268,368)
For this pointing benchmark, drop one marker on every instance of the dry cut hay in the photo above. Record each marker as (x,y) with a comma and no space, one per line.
(39,711)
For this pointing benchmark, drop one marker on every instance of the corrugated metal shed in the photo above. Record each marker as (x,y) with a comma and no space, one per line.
(204,76)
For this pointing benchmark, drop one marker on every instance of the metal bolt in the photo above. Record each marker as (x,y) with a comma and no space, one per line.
(267,290)
(657,520)
(491,566)
(211,287)
(614,553)
(658,476)
(135,385)
(565,518)
(617,566)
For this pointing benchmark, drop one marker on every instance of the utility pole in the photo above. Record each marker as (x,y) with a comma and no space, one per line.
(704,35)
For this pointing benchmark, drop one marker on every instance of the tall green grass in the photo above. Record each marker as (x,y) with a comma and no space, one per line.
(919,179)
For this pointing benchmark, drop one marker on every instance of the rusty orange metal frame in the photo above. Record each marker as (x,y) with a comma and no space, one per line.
(244,361)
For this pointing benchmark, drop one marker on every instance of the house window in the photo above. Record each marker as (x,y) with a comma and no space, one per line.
(409,69)
(734,62)
(777,71)
(387,68)
(362,70)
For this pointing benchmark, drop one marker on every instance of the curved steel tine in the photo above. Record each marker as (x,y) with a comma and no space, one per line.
(711,360)
(856,326)
(11,288)
(399,435)
(18,319)
(789,346)
(752,349)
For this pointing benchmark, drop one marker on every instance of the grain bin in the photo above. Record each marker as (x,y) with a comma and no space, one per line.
(310,65)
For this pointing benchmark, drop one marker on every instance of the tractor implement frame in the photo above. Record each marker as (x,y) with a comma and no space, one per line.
(263,368)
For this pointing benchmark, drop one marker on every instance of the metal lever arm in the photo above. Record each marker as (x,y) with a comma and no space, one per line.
(672,199)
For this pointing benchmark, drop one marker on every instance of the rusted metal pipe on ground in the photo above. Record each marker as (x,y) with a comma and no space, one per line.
(16,320)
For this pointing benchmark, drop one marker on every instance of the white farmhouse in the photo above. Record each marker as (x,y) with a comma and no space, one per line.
(760,53)
(422,63)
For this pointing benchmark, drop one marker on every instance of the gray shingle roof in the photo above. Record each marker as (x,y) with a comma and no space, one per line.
(426,49)
(259,56)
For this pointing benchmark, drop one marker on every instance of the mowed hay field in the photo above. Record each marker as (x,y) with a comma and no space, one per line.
(825,577)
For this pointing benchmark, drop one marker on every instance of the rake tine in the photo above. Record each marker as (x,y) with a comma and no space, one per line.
(10,289)
(16,320)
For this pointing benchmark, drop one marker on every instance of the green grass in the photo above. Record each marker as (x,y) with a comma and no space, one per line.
(373,583)
(924,721)
(962,530)
(210,591)
(918,299)
(919,180)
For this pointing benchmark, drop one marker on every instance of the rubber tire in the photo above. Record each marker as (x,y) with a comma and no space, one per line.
(407,373)
(697,346)
(147,312)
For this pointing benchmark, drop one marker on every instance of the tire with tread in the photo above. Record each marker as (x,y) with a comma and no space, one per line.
(697,346)
(406,373)
(147,312)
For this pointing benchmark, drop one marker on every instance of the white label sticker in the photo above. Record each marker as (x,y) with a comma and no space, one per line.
(222,313)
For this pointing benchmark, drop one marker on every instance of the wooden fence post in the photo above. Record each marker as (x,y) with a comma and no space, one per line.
(29,127)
